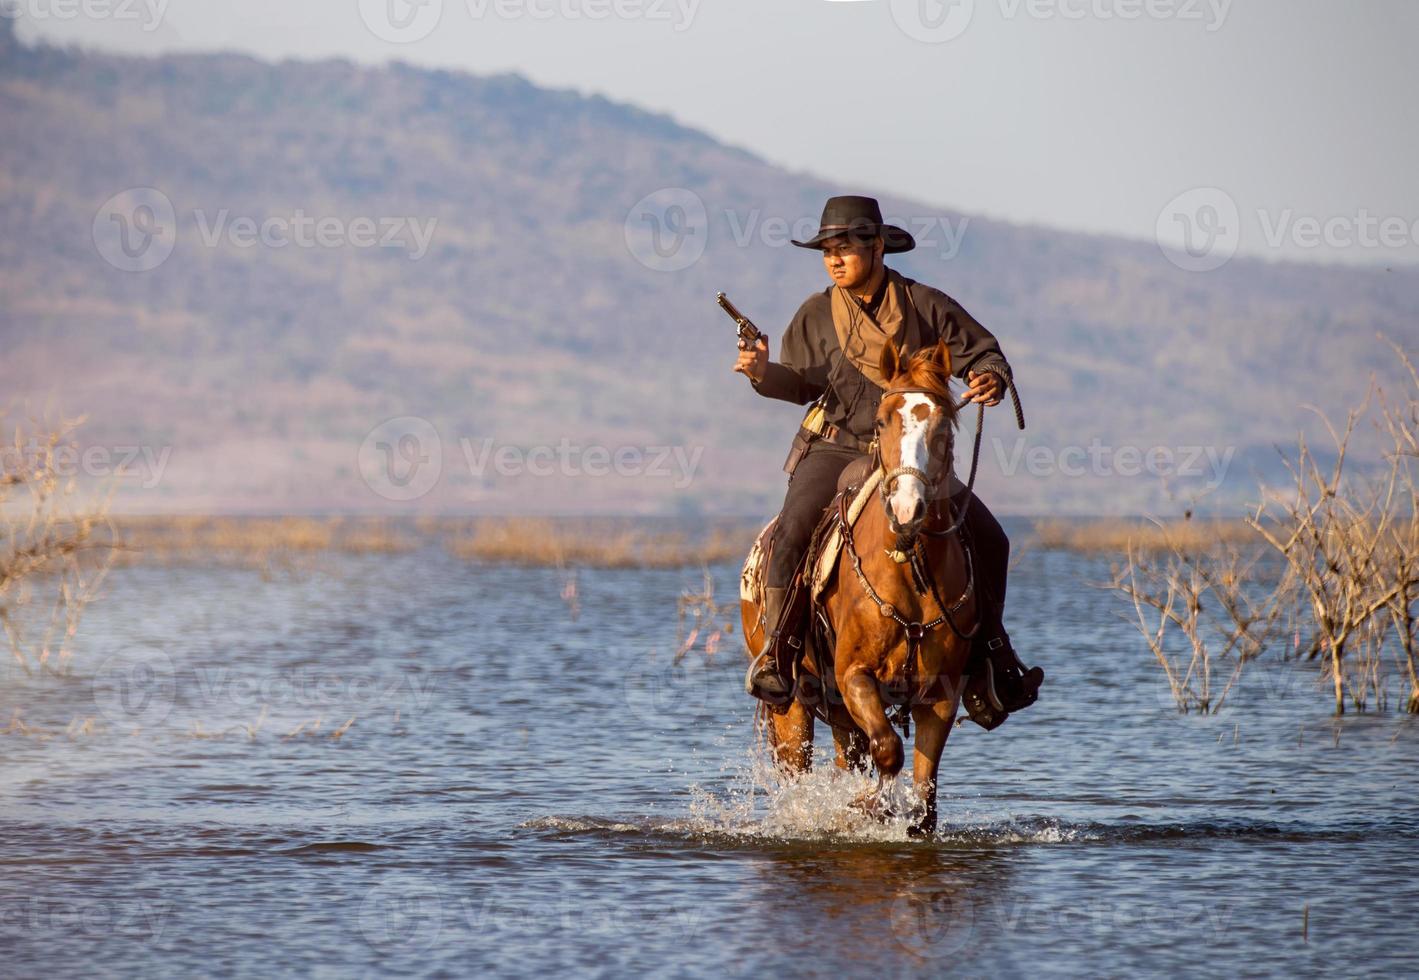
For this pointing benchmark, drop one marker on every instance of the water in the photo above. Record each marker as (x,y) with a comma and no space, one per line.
(521,792)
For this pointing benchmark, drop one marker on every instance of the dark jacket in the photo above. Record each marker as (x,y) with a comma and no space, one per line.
(811,360)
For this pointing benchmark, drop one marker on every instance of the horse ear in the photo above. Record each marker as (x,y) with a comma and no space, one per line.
(943,354)
(890,365)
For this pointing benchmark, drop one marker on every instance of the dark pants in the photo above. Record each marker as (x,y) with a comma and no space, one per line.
(811,489)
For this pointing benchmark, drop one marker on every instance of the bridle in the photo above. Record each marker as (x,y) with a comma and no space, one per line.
(890,477)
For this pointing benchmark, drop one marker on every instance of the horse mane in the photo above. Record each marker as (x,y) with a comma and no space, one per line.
(928,372)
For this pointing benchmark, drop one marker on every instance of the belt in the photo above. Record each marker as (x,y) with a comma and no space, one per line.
(847,440)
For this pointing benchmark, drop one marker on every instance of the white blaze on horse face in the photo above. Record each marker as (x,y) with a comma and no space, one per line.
(909,492)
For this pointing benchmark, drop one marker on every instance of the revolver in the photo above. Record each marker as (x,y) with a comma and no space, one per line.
(749,335)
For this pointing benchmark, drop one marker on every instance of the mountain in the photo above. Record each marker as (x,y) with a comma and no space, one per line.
(239,270)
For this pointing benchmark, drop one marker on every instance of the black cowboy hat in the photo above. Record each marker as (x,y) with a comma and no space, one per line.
(858,219)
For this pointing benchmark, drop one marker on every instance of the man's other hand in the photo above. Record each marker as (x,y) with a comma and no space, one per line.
(984,387)
(753,362)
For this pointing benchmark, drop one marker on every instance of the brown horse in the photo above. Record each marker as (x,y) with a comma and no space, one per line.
(901,605)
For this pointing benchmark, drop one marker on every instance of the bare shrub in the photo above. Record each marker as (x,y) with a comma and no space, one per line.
(1200,609)
(54,549)
(1351,544)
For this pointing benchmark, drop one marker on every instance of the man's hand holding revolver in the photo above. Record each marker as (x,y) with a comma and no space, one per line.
(753,361)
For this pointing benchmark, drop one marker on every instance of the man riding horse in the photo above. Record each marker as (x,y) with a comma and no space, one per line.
(830,355)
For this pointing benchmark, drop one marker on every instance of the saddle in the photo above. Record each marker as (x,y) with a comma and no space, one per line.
(858,481)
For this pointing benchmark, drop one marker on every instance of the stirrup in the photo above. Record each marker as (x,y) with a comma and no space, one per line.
(1000,685)
(761,669)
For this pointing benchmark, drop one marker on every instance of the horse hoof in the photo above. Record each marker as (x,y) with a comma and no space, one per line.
(921,831)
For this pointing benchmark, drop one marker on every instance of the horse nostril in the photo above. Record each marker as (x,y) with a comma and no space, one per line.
(917,511)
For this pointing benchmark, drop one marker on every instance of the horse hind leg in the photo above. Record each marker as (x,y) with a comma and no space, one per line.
(852,751)
(791,737)
(933,727)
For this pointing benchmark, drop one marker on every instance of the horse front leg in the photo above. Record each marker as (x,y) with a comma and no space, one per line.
(864,704)
(933,727)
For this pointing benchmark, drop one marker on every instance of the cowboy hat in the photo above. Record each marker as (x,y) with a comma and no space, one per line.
(858,219)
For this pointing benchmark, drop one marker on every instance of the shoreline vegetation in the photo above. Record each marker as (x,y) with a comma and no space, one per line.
(591,542)
(1330,563)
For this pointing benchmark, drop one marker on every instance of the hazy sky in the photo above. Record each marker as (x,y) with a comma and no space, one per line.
(1301,115)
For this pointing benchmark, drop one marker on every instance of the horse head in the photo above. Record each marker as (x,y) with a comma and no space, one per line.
(915,436)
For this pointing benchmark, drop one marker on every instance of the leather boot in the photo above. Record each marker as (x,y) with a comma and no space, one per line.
(764,680)
(999,683)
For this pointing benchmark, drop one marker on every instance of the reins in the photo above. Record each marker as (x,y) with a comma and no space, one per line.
(923,581)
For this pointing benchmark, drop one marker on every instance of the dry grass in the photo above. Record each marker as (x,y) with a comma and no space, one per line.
(271,543)
(254,540)
(598,543)
(1119,535)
